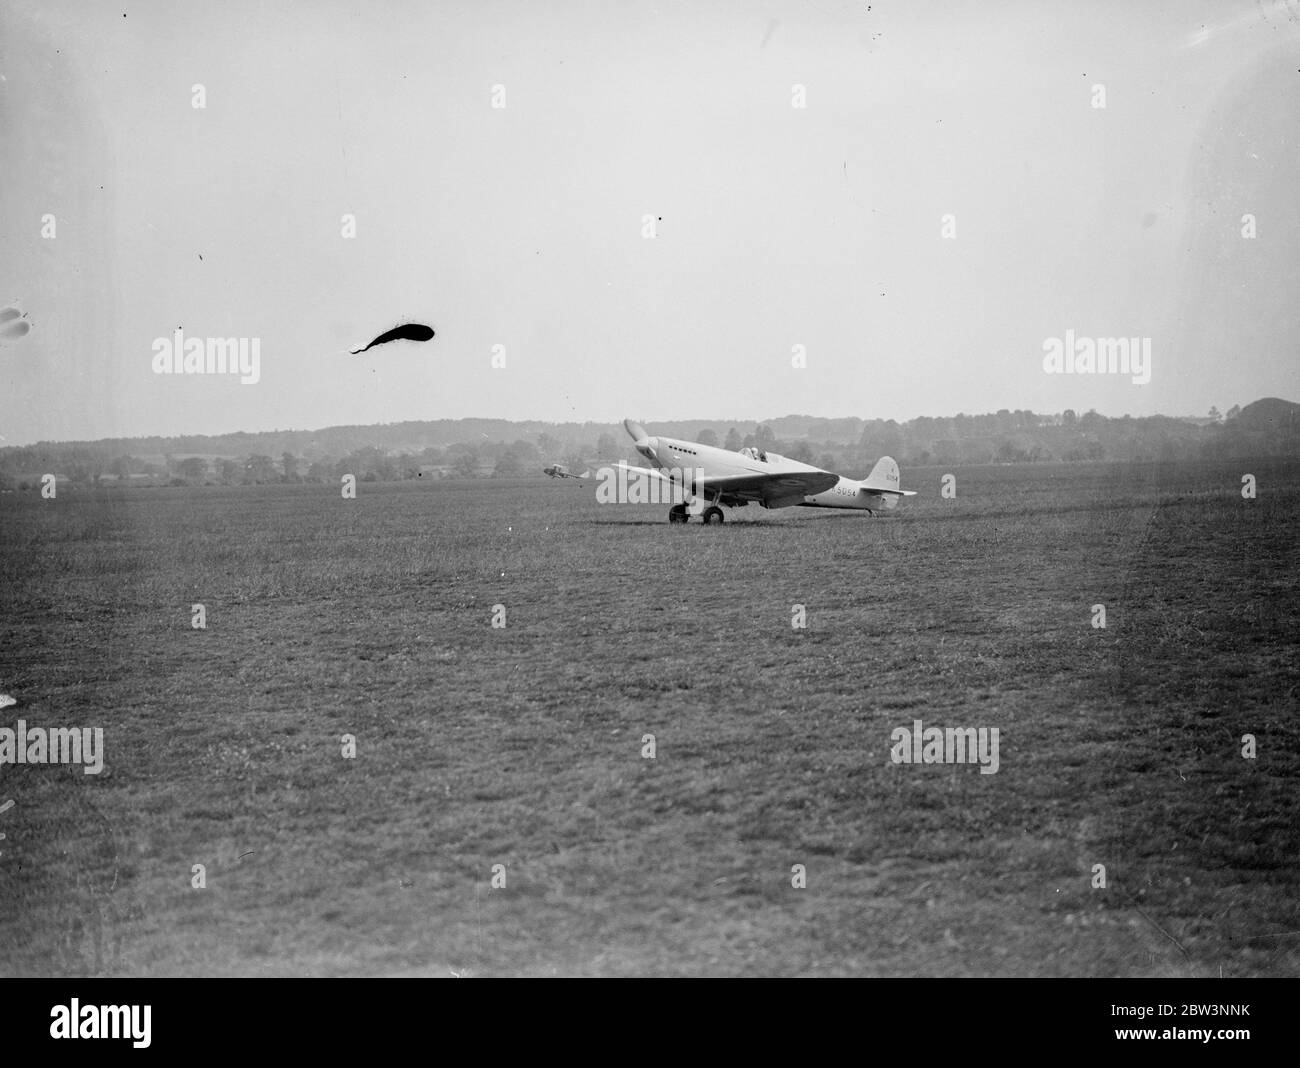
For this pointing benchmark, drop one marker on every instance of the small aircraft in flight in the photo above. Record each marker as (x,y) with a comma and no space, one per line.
(560,471)
(735,479)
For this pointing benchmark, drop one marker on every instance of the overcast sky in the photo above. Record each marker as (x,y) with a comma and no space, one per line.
(522,226)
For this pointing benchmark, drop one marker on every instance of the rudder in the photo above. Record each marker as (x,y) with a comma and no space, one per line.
(884,476)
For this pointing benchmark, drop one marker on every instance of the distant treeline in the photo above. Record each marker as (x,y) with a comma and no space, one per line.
(472,448)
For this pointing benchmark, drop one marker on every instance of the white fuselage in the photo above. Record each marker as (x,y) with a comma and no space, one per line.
(677,459)
(849,494)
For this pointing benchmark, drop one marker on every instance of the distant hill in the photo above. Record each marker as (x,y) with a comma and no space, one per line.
(1270,413)
(467,448)
(1268,427)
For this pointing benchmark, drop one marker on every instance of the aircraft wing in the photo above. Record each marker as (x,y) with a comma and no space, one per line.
(775,490)
(623,466)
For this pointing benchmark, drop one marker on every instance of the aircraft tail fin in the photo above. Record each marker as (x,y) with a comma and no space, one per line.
(884,478)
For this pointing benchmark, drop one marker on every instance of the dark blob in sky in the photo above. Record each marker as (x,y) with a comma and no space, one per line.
(13,324)
(405,332)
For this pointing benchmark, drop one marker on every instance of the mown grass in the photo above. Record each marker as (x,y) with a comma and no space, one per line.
(522,746)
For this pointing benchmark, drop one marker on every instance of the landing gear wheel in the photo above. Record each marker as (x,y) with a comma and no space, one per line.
(677,514)
(713,514)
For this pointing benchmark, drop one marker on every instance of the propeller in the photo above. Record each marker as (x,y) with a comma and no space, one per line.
(645,445)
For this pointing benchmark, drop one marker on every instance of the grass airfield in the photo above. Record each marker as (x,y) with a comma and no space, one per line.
(522,746)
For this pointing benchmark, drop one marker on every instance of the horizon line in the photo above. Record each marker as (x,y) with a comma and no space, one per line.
(599,422)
